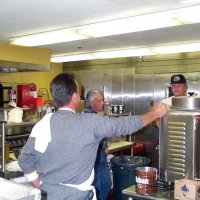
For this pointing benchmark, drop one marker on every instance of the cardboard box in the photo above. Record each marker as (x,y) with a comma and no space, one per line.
(186,189)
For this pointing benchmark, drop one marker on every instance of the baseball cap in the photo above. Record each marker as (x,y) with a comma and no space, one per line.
(178,78)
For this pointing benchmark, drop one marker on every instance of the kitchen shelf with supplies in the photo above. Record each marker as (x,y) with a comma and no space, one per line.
(13,134)
(16,134)
(119,115)
(24,123)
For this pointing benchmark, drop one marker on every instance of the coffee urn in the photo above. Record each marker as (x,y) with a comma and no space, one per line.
(179,140)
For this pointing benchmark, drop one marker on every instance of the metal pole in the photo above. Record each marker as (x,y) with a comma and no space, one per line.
(130,139)
(3,120)
(3,150)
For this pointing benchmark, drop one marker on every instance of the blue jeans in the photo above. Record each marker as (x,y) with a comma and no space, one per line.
(102,181)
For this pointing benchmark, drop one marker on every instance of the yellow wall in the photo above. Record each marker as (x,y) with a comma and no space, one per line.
(32,55)
(41,79)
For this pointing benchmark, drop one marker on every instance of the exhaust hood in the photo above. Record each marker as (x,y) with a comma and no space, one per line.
(23,59)
(11,66)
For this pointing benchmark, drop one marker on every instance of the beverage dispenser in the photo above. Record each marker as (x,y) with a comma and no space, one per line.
(179,148)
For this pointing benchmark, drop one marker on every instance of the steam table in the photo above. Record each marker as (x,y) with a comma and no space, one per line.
(130,194)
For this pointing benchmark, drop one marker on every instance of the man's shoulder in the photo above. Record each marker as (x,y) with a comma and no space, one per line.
(87,110)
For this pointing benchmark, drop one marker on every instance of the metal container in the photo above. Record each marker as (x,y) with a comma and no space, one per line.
(179,148)
(146,180)
(3,116)
(186,103)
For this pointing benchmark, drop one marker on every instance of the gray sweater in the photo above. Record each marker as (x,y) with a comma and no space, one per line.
(70,156)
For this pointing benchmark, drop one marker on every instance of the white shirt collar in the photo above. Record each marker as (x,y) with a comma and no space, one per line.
(67,109)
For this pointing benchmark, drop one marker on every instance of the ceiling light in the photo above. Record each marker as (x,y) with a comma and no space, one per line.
(120,26)
(187,15)
(103,55)
(176,48)
(51,37)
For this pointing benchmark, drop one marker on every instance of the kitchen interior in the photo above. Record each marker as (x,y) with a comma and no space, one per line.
(136,80)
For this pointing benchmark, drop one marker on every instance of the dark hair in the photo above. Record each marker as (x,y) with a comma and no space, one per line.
(62,88)
(90,97)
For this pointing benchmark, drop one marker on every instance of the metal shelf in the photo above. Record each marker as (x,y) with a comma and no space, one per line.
(25,123)
(119,115)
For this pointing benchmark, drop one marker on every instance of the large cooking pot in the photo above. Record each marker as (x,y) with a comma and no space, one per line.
(186,103)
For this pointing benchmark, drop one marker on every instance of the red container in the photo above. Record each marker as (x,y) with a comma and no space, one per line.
(26,96)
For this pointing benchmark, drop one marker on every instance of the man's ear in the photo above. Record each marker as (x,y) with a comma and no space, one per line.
(74,97)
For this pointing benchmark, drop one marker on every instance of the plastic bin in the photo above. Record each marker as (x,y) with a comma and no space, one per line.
(14,191)
(124,171)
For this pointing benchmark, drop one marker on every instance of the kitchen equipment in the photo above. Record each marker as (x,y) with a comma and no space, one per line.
(13,135)
(121,109)
(186,103)
(179,148)
(12,97)
(15,115)
(117,109)
(47,108)
(27,96)
(146,180)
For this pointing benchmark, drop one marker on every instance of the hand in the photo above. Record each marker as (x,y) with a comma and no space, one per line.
(157,111)
(156,123)
(101,113)
(160,109)
(36,183)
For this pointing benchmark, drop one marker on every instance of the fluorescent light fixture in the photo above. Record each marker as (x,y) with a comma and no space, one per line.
(176,48)
(103,55)
(170,18)
(188,15)
(51,37)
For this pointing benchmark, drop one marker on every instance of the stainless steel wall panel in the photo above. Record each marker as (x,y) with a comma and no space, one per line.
(161,86)
(149,135)
(106,84)
(117,87)
(88,79)
(129,89)
(143,92)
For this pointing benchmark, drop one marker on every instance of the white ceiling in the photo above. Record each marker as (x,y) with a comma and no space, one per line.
(25,17)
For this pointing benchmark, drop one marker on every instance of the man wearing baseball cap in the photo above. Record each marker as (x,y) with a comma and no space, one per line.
(178,86)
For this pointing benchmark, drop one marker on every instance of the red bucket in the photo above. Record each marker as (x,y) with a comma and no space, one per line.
(146,180)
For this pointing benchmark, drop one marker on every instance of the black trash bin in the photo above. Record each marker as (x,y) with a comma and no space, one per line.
(124,170)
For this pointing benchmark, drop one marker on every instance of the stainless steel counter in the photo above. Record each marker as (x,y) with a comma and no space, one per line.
(160,194)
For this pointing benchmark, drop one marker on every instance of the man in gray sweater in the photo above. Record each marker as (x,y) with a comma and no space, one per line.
(60,153)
